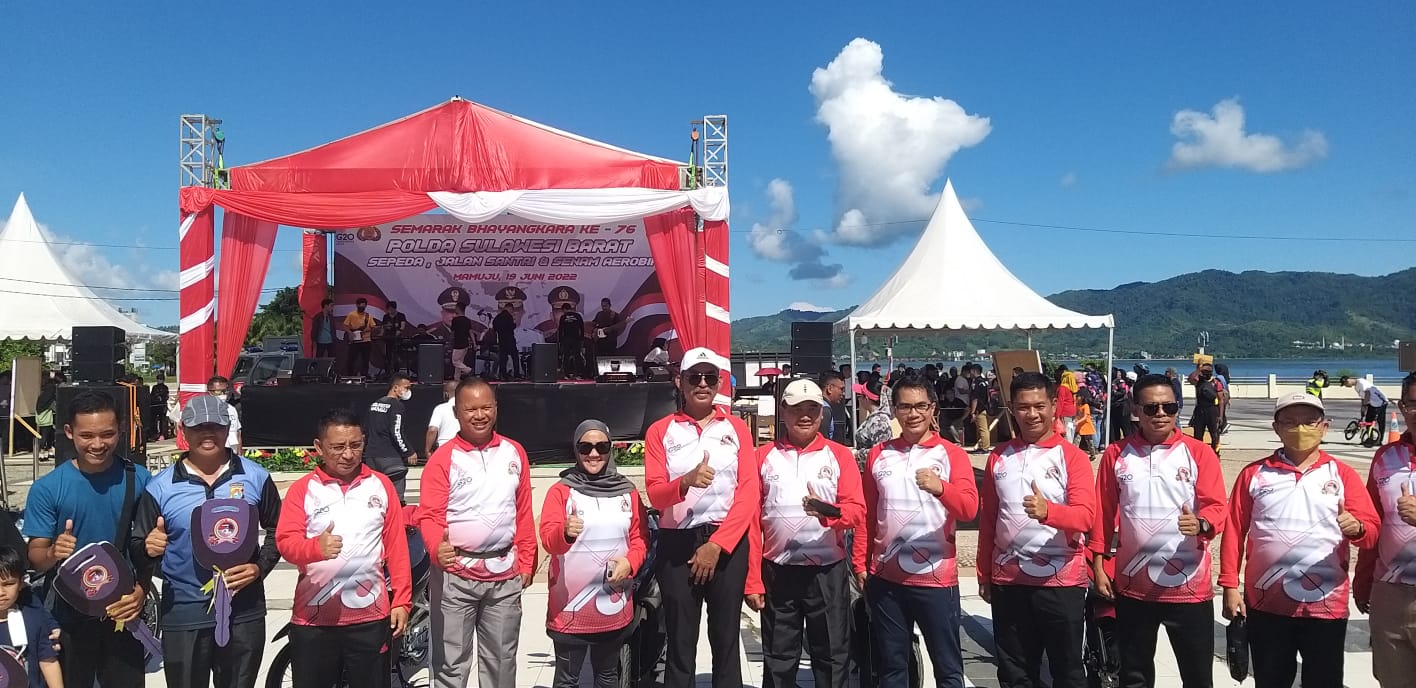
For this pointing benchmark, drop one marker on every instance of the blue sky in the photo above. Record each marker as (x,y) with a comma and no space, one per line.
(1080,103)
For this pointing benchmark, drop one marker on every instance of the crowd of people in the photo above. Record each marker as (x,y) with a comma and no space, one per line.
(792,529)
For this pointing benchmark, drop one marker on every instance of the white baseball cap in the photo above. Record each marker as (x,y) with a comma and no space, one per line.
(1298,399)
(702,354)
(800,391)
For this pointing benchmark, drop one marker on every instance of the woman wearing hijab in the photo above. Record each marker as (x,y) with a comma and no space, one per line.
(591,527)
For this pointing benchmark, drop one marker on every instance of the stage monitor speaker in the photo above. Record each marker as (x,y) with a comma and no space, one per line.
(655,373)
(430,362)
(543,362)
(64,447)
(616,364)
(1406,357)
(311,370)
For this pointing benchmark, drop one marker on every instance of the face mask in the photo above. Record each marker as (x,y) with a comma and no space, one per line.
(221,396)
(361,308)
(406,394)
(1302,439)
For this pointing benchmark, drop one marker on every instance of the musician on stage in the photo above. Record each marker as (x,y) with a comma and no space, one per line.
(608,326)
(570,334)
(391,332)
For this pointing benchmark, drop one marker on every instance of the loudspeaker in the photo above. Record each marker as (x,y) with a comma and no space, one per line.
(658,374)
(430,362)
(616,364)
(97,353)
(811,348)
(543,362)
(308,370)
(64,447)
(1406,357)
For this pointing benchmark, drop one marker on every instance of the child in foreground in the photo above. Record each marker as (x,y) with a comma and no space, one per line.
(25,627)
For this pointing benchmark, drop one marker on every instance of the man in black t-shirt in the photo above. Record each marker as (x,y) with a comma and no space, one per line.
(608,325)
(157,406)
(460,341)
(391,331)
(508,358)
(385,450)
(570,333)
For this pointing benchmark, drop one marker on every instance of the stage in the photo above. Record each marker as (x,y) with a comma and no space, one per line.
(541,417)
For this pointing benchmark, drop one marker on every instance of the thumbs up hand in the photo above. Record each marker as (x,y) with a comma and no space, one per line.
(1351,527)
(701,476)
(574,526)
(156,541)
(1189,523)
(1406,505)
(1035,505)
(447,555)
(66,543)
(330,544)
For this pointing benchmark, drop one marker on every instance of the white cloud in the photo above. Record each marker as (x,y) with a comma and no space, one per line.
(1068,180)
(165,279)
(890,148)
(808,307)
(88,264)
(971,204)
(1218,139)
(776,240)
(835,281)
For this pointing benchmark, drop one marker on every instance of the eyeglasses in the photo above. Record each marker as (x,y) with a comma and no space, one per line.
(340,449)
(696,379)
(601,448)
(1407,404)
(1170,407)
(922,408)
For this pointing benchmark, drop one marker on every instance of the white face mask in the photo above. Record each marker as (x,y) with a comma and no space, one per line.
(406,394)
(221,396)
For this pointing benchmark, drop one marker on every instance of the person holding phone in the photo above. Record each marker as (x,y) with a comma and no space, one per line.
(592,527)
(700,471)
(797,574)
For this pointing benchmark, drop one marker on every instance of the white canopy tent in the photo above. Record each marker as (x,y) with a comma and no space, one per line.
(910,300)
(42,300)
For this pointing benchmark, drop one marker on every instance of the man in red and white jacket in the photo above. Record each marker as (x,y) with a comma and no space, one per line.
(798,555)
(1384,585)
(476,518)
(1039,505)
(342,525)
(1163,494)
(917,488)
(700,472)
(1292,515)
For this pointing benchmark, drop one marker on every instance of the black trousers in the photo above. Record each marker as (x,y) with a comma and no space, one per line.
(390,357)
(570,659)
(816,598)
(191,659)
(359,358)
(1190,627)
(1119,423)
(93,650)
(324,350)
(1206,418)
(1028,621)
(1378,415)
(684,602)
(1276,641)
(327,656)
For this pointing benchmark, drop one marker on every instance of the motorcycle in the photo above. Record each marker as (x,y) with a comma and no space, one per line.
(410,652)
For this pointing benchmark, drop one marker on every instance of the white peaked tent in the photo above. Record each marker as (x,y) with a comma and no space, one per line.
(39,299)
(917,297)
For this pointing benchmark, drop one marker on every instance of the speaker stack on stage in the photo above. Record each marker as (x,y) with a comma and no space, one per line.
(432,362)
(313,370)
(544,363)
(811,348)
(98,354)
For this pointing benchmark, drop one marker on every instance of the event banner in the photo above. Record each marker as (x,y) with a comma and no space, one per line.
(427,262)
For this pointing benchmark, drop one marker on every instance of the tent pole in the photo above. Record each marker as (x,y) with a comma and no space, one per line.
(850,331)
(1029,340)
(1106,380)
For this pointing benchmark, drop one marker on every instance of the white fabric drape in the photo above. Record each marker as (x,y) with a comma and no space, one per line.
(582,206)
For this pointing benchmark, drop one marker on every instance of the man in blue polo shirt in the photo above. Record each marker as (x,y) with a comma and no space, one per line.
(161,541)
(79,503)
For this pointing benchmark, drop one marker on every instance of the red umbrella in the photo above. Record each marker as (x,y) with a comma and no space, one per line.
(769,372)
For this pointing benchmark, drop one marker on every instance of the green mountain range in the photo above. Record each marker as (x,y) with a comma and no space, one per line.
(1247,314)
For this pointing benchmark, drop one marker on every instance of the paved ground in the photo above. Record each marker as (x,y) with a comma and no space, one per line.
(1249,439)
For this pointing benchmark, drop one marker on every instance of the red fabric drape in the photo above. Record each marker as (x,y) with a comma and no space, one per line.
(246,244)
(313,210)
(672,245)
(314,282)
(194,353)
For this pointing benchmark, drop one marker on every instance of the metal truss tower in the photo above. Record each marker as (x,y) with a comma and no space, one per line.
(201,142)
(715,150)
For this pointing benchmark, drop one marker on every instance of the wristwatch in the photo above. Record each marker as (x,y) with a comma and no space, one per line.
(1206,528)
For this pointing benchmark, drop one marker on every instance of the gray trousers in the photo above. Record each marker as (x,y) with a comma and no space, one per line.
(462,608)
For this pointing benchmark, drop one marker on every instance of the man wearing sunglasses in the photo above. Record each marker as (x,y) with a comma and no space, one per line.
(700,472)
(1293,516)
(1038,506)
(797,571)
(1384,584)
(1162,493)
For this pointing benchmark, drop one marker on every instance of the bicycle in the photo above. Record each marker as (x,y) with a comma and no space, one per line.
(1366,430)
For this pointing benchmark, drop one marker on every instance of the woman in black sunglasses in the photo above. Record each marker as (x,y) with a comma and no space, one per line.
(591,527)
